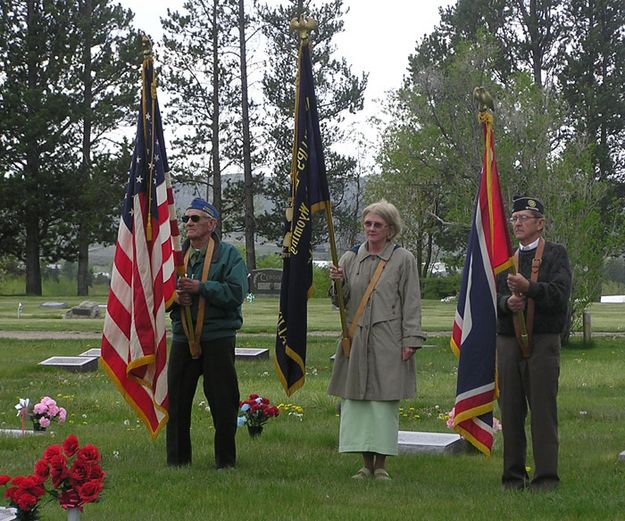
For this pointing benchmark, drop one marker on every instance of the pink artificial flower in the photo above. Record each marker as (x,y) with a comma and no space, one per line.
(46,400)
(62,414)
(53,410)
(450,418)
(44,422)
(40,408)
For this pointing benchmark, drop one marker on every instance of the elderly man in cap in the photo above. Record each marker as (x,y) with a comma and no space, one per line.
(213,291)
(529,368)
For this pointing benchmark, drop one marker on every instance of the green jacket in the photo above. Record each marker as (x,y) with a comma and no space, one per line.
(224,292)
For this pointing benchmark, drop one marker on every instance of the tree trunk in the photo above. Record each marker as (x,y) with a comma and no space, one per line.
(31,173)
(83,232)
(216,108)
(248,181)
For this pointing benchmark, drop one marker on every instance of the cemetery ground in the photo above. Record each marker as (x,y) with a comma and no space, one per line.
(293,471)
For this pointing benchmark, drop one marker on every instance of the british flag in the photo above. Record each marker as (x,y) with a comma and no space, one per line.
(475,326)
(147,257)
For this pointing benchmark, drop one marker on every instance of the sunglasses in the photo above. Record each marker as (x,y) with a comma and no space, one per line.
(192,218)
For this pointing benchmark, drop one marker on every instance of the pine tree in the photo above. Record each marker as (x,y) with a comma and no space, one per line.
(36,114)
(338,91)
(199,67)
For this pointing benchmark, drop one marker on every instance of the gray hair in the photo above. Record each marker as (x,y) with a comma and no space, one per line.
(389,213)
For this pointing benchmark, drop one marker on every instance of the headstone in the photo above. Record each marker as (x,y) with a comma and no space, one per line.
(94,351)
(411,442)
(72,363)
(16,433)
(621,456)
(241,353)
(7,514)
(251,353)
(266,281)
(53,305)
(86,309)
(612,299)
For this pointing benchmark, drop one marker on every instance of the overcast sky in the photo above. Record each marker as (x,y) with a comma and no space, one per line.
(379,36)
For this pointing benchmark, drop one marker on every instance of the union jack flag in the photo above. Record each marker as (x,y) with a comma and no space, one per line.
(475,326)
(143,281)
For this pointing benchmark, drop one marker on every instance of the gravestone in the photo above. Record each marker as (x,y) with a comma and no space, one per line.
(53,305)
(16,433)
(86,309)
(7,514)
(265,281)
(93,351)
(241,353)
(251,353)
(621,456)
(410,442)
(72,363)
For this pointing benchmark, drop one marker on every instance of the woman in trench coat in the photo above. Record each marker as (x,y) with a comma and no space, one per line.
(380,368)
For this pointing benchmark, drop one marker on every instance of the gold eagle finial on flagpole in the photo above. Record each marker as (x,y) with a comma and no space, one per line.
(146,42)
(303,25)
(483,99)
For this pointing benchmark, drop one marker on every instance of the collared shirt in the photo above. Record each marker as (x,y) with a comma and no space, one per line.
(530,246)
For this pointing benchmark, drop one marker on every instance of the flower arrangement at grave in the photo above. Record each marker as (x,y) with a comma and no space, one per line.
(45,412)
(70,474)
(23,494)
(291,409)
(256,411)
(75,474)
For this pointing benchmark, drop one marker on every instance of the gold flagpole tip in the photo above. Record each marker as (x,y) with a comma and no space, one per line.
(483,99)
(147,45)
(303,25)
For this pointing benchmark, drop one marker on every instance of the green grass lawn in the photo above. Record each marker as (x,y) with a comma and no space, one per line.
(259,316)
(293,471)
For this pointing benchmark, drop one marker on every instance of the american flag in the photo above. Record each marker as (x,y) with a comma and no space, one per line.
(147,257)
(475,327)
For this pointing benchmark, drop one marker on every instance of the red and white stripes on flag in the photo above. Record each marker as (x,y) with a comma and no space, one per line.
(143,280)
(475,326)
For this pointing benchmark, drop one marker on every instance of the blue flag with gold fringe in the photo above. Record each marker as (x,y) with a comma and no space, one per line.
(309,194)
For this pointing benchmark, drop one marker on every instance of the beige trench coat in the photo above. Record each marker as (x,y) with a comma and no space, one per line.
(392,320)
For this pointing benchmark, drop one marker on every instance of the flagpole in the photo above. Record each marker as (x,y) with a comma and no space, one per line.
(187,318)
(485,117)
(303,25)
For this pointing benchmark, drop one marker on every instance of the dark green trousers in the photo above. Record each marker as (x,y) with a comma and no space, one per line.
(533,383)
(221,388)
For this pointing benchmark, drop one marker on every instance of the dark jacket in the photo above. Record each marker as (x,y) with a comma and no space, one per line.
(224,292)
(550,293)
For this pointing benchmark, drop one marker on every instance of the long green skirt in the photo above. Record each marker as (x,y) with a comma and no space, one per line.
(369,426)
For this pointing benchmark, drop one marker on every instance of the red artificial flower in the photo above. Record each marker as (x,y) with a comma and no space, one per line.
(90,491)
(70,499)
(4,479)
(70,445)
(42,469)
(26,502)
(80,472)
(58,470)
(89,453)
(96,473)
(253,396)
(52,450)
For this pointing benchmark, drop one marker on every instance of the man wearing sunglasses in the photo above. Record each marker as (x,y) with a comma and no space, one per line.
(529,369)
(212,293)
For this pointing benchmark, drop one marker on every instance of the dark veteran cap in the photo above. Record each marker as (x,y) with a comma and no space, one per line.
(520,203)
(204,206)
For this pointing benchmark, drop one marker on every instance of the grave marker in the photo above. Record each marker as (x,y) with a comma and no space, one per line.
(411,442)
(72,363)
